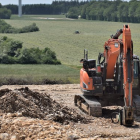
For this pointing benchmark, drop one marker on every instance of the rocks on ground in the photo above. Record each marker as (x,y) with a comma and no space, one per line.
(29,115)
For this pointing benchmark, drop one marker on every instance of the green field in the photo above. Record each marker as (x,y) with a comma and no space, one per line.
(38,74)
(58,34)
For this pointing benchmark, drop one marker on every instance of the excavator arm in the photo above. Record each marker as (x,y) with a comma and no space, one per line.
(124,48)
(127,65)
(127,53)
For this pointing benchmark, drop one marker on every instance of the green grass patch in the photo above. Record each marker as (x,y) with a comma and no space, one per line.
(38,74)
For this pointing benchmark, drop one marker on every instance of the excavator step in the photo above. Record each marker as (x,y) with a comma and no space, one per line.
(89,104)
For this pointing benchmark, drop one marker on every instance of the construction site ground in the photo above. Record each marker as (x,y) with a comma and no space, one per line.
(32,123)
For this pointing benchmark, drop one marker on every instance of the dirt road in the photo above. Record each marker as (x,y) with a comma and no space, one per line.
(15,125)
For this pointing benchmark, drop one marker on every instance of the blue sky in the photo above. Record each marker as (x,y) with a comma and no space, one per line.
(4,2)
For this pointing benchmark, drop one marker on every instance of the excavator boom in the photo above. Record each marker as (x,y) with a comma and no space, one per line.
(127,65)
(127,115)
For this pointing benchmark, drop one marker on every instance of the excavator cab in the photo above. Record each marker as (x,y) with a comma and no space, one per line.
(88,63)
(90,77)
(136,66)
(136,74)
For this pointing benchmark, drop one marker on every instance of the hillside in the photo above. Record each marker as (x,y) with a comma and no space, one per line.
(58,34)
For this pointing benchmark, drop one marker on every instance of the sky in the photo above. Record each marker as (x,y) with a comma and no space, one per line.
(5,2)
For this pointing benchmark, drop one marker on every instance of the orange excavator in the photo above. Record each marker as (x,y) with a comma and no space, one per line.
(115,78)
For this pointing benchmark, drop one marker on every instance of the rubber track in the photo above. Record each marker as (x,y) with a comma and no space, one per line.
(93,105)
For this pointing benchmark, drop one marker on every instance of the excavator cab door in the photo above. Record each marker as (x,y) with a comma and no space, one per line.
(136,75)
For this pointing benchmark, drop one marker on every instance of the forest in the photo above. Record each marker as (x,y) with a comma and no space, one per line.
(57,7)
(121,11)
(104,10)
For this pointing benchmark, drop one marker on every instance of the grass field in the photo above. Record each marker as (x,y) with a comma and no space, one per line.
(59,36)
(38,74)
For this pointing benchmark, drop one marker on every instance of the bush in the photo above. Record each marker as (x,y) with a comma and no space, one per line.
(6,28)
(37,56)
(11,52)
(30,28)
(73,13)
(5,13)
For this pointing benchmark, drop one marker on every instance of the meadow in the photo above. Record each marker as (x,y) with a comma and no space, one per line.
(59,35)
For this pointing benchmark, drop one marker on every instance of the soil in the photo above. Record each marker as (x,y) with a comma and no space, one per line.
(44,112)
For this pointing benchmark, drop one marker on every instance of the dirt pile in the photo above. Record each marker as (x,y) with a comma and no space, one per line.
(36,105)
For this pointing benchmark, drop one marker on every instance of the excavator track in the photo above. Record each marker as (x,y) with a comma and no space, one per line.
(136,102)
(89,104)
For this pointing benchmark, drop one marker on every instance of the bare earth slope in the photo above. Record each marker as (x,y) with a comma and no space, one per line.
(29,121)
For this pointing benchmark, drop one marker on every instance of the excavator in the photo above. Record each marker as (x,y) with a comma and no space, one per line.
(115,78)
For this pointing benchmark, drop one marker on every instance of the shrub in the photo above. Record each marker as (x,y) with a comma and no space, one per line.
(11,52)
(5,13)
(73,13)
(37,56)
(6,28)
(30,28)
(28,56)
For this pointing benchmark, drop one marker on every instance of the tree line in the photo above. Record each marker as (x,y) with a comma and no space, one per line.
(104,10)
(57,7)
(118,10)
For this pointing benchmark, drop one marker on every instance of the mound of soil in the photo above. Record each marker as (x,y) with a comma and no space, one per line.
(36,105)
